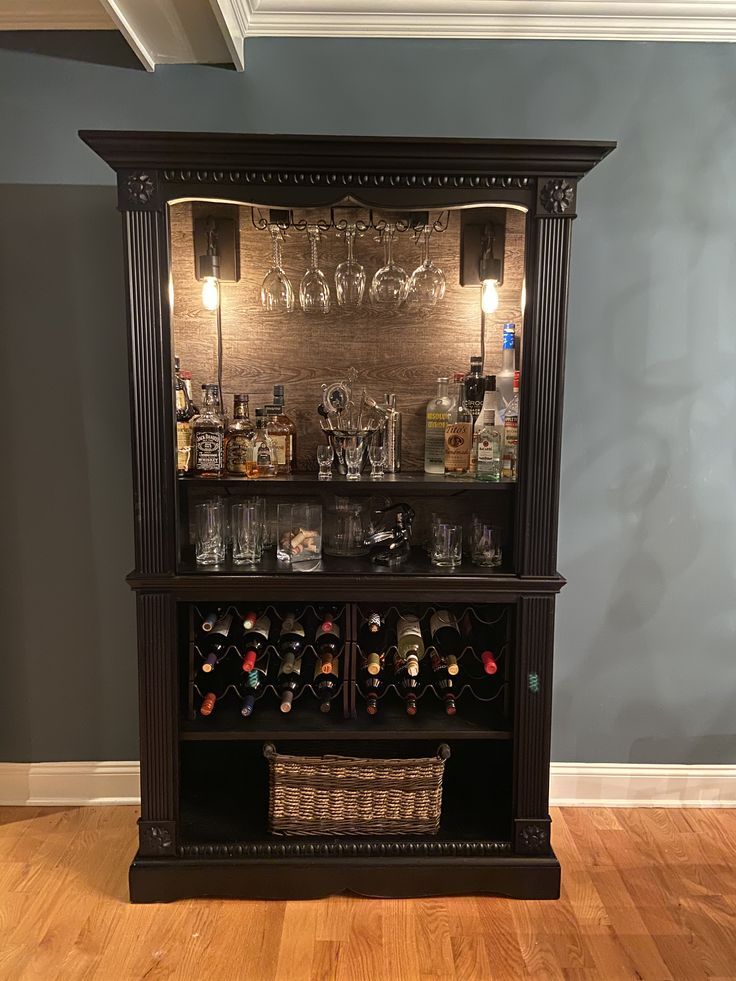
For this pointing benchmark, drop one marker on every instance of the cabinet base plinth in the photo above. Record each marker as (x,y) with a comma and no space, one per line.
(161,880)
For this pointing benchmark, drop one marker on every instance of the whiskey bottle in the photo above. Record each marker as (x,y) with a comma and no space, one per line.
(184,415)
(208,431)
(290,643)
(186,377)
(327,645)
(475,387)
(255,642)
(458,435)
(434,434)
(286,431)
(326,685)
(410,643)
(239,438)
(262,461)
(505,377)
(488,438)
(511,434)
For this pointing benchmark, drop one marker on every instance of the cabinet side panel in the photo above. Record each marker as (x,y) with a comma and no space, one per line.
(150,390)
(541,398)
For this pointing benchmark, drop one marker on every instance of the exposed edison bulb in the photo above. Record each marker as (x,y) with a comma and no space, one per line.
(523,296)
(171,295)
(489,296)
(210,293)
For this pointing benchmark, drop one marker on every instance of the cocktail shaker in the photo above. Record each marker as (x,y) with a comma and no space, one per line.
(393,435)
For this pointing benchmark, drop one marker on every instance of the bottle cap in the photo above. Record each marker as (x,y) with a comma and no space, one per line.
(176,363)
(278,393)
(458,376)
(260,413)
(450,707)
(208,704)
(326,626)
(489,662)
(247,708)
(475,360)
(443,380)
(325,705)
(286,699)
(411,705)
(511,327)
(453,667)
(371,705)
(249,661)
(185,374)
(249,620)
(240,399)
(490,383)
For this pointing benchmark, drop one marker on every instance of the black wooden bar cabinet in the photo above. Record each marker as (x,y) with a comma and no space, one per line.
(504,848)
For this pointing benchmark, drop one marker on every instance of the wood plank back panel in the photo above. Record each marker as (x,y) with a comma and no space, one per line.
(402,353)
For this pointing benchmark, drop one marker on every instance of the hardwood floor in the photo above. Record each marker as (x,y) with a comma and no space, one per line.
(646,894)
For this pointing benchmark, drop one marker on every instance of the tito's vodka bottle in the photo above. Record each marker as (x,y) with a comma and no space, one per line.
(208,432)
(434,440)
(458,436)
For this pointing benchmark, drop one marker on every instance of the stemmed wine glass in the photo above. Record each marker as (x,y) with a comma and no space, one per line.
(427,284)
(388,288)
(350,275)
(314,290)
(277,294)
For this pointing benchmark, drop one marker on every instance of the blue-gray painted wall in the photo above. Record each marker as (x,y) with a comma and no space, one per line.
(646,626)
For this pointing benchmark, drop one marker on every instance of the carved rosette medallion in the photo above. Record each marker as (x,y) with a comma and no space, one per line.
(557,196)
(137,190)
(155,839)
(533,839)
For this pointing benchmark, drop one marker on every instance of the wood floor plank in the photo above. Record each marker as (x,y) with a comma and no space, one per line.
(647,894)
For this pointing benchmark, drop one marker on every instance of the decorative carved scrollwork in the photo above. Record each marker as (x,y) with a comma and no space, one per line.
(533,839)
(140,188)
(155,839)
(338,849)
(333,179)
(557,196)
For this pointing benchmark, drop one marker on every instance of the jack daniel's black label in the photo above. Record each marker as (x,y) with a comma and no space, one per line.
(207,450)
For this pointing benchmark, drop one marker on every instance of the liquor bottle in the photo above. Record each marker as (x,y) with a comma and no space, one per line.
(445,683)
(254,681)
(186,377)
(458,435)
(393,434)
(488,438)
(511,435)
(372,643)
(255,642)
(407,684)
(373,686)
(446,639)
(475,386)
(215,642)
(326,685)
(288,684)
(291,642)
(208,431)
(262,461)
(283,432)
(436,420)
(327,645)
(505,377)
(239,438)
(184,415)
(410,642)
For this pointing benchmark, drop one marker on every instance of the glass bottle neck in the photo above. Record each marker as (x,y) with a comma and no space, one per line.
(442,389)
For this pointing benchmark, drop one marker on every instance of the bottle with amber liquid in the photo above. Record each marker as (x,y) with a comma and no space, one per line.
(458,435)
(239,438)
(184,415)
(282,431)
(208,435)
(262,461)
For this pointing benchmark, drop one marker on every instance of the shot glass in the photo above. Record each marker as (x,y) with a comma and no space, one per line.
(354,461)
(447,545)
(211,530)
(324,459)
(247,532)
(377,455)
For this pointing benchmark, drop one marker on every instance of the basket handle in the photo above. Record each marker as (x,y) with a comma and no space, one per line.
(269,750)
(443,751)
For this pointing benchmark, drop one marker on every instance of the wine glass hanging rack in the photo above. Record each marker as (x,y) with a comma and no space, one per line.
(415,222)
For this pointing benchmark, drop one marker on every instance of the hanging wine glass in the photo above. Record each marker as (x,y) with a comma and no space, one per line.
(314,290)
(388,288)
(427,284)
(277,294)
(350,275)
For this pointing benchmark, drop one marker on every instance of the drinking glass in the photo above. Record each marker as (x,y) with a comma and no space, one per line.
(377,453)
(324,459)
(389,284)
(277,294)
(486,548)
(354,459)
(447,545)
(350,275)
(210,532)
(314,290)
(247,530)
(427,284)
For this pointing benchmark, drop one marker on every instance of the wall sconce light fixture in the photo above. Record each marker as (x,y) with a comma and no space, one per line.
(482,245)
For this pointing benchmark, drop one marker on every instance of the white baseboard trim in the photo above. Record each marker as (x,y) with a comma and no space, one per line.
(571,784)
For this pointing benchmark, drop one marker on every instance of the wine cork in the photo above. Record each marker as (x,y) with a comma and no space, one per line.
(373,664)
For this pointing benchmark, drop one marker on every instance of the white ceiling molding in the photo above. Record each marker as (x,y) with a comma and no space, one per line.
(173,32)
(604,20)
(233,18)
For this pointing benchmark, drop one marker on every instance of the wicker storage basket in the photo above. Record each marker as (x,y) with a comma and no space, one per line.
(342,795)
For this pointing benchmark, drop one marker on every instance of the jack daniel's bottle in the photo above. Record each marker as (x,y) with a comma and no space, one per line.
(208,431)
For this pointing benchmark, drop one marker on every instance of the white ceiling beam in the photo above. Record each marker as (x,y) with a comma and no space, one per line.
(612,20)
(233,16)
(178,32)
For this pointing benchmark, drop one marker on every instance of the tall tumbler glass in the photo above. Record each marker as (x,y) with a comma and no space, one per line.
(247,530)
(210,532)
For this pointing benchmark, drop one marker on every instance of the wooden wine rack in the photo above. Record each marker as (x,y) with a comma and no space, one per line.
(204,787)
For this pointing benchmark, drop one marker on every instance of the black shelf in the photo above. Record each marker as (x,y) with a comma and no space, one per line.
(404,483)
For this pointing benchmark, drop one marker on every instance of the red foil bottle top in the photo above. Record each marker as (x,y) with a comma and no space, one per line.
(450,707)
(249,621)
(489,662)
(249,661)
(327,626)
(372,705)
(208,703)
(411,706)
